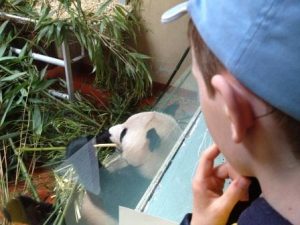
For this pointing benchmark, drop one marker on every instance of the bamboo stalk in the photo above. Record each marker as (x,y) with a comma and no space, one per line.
(72,109)
(24,171)
(60,219)
(28,149)
(105,145)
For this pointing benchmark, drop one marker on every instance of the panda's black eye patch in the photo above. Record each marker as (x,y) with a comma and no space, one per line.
(123,133)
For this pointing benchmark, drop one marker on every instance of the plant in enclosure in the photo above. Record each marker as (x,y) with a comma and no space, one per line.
(107,32)
(35,127)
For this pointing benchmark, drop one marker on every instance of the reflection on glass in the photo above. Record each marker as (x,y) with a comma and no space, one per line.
(144,142)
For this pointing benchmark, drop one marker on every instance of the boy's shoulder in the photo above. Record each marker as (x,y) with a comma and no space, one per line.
(260,212)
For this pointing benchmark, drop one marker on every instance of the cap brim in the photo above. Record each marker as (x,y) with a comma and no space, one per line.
(175,12)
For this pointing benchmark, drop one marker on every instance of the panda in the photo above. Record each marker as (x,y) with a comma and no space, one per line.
(143,141)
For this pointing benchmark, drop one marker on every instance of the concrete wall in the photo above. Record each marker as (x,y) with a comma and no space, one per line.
(165,43)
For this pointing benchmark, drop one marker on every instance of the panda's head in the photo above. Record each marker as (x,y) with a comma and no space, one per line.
(142,139)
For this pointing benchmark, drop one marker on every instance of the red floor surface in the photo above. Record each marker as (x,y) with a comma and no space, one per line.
(83,82)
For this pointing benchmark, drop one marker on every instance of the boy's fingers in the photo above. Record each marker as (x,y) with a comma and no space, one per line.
(206,163)
(205,169)
(221,171)
(236,191)
(225,171)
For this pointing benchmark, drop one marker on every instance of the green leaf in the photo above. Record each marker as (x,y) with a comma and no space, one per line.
(83,39)
(24,93)
(43,72)
(43,85)
(2,27)
(41,34)
(45,11)
(7,58)
(103,7)
(50,33)
(17,2)
(120,11)
(59,27)
(9,135)
(23,51)
(6,111)
(37,124)
(102,26)
(36,101)
(139,55)
(2,50)
(12,77)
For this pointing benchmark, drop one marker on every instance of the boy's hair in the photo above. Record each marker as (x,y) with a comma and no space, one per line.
(205,58)
(210,65)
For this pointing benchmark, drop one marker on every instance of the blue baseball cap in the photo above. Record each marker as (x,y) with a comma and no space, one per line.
(258,41)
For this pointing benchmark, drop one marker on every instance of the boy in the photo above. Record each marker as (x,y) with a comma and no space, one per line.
(246,60)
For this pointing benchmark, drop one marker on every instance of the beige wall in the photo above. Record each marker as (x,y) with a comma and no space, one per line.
(165,43)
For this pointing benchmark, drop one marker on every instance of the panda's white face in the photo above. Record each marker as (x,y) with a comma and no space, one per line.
(131,139)
(140,139)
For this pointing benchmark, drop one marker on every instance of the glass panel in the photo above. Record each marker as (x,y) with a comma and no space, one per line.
(125,179)
(181,100)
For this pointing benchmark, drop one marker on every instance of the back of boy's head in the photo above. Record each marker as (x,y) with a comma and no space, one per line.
(258,43)
(211,65)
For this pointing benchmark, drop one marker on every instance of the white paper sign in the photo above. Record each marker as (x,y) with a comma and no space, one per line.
(131,217)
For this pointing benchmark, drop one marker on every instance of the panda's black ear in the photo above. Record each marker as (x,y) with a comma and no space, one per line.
(154,139)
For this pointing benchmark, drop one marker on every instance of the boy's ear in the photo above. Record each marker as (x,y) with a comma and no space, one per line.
(236,105)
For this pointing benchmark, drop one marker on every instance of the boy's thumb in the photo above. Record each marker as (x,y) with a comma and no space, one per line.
(236,191)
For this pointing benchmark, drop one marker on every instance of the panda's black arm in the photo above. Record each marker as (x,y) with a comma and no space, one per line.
(103,137)
(75,144)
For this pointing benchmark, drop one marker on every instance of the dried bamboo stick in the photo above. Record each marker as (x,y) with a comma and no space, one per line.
(28,149)
(105,145)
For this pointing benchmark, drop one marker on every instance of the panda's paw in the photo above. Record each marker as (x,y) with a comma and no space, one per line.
(76,144)
(103,137)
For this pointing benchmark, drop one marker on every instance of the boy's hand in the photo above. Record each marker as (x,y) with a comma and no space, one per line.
(211,205)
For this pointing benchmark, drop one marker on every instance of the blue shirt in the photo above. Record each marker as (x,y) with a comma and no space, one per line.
(259,213)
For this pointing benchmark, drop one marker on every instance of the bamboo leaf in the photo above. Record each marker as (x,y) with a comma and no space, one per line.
(6,111)
(139,55)
(9,135)
(44,13)
(37,124)
(17,2)
(120,10)
(59,27)
(44,84)
(43,72)
(12,77)
(103,7)
(102,26)
(23,51)
(36,101)
(42,33)
(6,58)
(50,33)
(23,92)
(6,70)
(2,27)
(2,50)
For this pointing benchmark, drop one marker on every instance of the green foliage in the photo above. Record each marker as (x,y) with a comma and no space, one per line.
(31,120)
(107,35)
(28,114)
